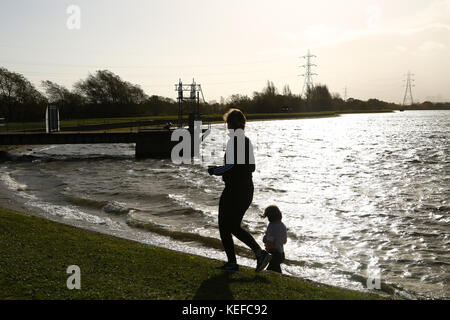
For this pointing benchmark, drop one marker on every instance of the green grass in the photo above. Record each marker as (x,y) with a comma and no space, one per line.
(35,254)
(11,126)
(80,122)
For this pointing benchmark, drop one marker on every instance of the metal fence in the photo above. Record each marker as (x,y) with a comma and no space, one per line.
(83,125)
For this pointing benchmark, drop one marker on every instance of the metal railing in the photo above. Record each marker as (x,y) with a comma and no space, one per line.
(97,125)
(83,125)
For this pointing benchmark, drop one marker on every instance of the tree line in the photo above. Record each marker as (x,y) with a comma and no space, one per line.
(105,94)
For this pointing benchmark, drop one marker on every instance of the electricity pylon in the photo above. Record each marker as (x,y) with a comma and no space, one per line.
(408,91)
(309,84)
(193,98)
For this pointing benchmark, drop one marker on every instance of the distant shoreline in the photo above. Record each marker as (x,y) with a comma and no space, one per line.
(101,124)
(143,121)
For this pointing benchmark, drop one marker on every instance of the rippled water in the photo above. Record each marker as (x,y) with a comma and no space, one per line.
(359,193)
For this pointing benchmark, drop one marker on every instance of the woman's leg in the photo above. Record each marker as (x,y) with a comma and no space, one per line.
(233,204)
(244,236)
(243,199)
(225,226)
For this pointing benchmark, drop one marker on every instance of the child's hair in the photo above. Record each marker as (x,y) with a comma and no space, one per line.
(273,213)
(235,119)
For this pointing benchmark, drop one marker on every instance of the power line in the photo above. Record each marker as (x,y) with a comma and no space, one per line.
(65,65)
(227,82)
(345,93)
(308,84)
(144,74)
(408,90)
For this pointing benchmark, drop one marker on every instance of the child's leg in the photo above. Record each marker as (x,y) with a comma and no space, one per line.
(274,267)
(275,263)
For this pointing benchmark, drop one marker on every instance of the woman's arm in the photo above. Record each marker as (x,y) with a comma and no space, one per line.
(231,158)
(219,171)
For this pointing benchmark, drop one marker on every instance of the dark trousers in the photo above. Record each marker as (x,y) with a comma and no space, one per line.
(277,260)
(234,202)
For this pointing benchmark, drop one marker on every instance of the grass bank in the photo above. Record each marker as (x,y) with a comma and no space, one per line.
(35,254)
(12,126)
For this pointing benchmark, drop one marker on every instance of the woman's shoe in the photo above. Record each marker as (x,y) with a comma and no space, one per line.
(262,260)
(230,267)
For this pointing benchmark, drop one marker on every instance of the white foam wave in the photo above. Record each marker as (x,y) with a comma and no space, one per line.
(65,212)
(184,202)
(10,183)
(116,208)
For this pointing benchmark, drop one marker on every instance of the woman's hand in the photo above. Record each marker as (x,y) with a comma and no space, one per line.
(211,170)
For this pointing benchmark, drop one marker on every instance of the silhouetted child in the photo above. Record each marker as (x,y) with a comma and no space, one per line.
(275,237)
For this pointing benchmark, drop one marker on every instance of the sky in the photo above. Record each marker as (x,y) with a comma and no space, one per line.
(234,46)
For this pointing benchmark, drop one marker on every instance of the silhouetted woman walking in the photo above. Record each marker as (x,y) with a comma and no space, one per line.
(238,193)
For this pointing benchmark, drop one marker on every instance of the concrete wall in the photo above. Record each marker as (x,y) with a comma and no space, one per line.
(154,144)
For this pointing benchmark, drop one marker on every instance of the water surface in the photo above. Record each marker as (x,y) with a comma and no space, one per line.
(359,194)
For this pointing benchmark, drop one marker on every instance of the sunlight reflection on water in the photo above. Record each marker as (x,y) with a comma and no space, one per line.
(356,192)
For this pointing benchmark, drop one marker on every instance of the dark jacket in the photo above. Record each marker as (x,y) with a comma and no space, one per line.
(238,168)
